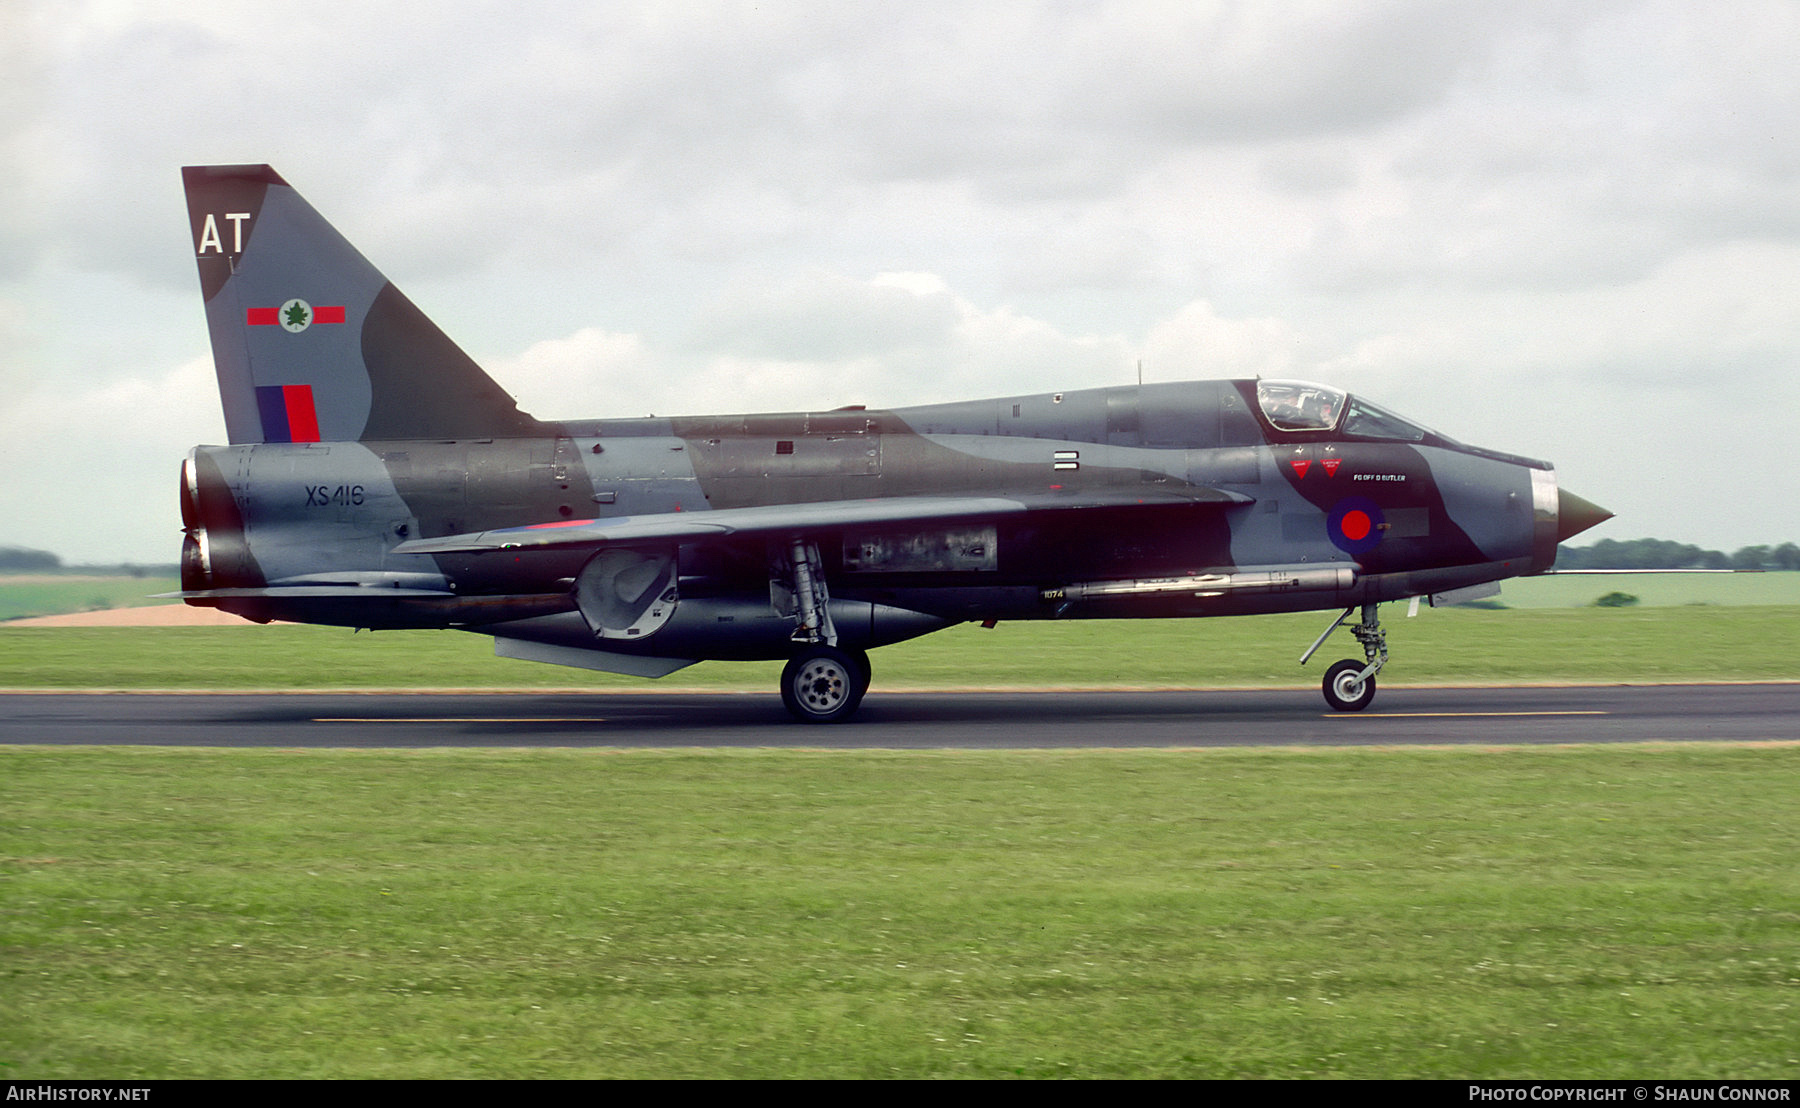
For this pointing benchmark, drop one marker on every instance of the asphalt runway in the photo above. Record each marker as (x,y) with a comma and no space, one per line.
(912,720)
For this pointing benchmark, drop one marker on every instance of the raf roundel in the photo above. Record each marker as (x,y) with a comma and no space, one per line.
(1355,525)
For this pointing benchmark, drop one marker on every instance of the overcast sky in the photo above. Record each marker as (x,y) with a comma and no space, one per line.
(1567,230)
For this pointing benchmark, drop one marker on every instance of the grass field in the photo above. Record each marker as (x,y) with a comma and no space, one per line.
(53,594)
(1572,912)
(1576,590)
(1542,912)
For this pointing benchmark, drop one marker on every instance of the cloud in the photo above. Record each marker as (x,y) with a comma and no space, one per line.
(1198,343)
(820,342)
(93,469)
(823,316)
(589,374)
(715,205)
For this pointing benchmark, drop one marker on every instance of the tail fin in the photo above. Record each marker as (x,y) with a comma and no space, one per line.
(310,342)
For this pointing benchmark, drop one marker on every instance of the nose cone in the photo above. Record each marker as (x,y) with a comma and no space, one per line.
(1575,515)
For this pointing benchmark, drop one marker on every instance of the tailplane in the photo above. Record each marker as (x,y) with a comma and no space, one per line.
(310,342)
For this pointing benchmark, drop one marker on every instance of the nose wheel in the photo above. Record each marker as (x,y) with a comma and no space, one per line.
(1350,685)
(1346,689)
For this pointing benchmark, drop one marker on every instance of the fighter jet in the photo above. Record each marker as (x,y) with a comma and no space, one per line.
(377,478)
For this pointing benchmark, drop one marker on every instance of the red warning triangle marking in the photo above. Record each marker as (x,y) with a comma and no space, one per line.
(1300,466)
(1331,465)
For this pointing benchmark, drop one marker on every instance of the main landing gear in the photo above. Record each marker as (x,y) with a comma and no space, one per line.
(822,683)
(1350,685)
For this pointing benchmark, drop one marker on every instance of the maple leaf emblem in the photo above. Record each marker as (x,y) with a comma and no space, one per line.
(296,315)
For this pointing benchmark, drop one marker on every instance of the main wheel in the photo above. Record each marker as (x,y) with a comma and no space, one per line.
(823,684)
(865,671)
(1344,691)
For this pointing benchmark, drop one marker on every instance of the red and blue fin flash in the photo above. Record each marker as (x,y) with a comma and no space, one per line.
(287,413)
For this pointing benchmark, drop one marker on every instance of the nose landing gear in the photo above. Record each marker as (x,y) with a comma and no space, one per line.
(1350,685)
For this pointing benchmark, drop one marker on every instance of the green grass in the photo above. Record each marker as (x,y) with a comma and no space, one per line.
(1573,912)
(23,595)
(1577,590)
(1440,646)
(1563,912)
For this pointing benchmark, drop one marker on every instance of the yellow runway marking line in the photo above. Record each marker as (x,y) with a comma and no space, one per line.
(458,719)
(1457,715)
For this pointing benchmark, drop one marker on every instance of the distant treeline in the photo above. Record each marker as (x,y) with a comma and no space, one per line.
(19,559)
(1662,554)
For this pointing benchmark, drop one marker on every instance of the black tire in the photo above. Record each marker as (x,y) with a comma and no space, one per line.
(823,684)
(1343,692)
(865,671)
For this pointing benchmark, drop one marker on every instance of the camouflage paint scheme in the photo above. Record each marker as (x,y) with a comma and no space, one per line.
(378,478)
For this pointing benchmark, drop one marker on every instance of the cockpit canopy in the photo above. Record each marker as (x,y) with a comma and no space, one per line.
(1304,406)
(1300,405)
